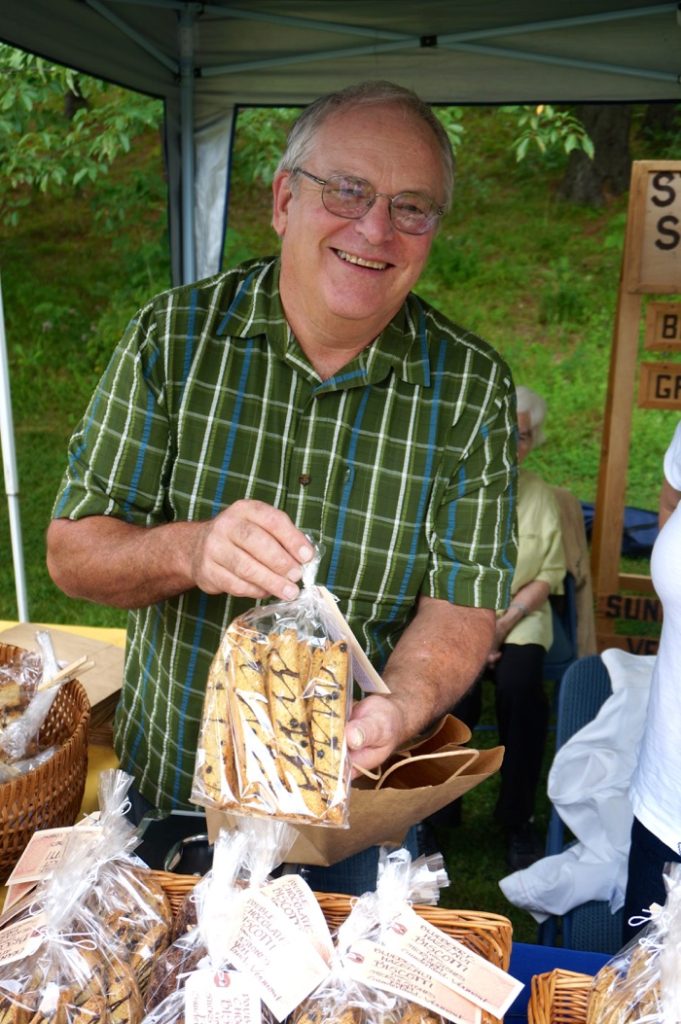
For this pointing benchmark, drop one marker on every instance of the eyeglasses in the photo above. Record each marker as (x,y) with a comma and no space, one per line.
(349,197)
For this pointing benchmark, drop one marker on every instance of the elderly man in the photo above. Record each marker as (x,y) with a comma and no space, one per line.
(306,394)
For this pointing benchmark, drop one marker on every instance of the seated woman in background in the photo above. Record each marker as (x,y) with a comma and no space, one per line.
(524,633)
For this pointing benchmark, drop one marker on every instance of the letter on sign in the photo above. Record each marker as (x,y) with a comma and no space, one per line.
(660,257)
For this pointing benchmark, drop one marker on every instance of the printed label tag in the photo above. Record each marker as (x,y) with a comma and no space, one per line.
(220,997)
(452,963)
(43,852)
(366,676)
(278,956)
(21,939)
(295,898)
(17,899)
(378,967)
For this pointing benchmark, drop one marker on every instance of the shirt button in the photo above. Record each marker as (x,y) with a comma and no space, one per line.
(304,479)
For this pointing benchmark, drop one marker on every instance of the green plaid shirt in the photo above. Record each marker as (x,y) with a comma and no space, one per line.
(403,464)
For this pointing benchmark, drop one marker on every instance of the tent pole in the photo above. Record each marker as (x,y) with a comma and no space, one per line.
(11,476)
(187,131)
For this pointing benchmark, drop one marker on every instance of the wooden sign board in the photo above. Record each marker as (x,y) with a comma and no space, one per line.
(630,607)
(654,235)
(660,386)
(663,326)
(623,609)
(631,644)
(651,263)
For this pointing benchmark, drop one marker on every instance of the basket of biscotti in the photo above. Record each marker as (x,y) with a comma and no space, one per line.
(248,938)
(43,749)
(84,923)
(278,696)
(640,984)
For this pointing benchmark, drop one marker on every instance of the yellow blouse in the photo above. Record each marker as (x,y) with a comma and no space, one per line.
(540,556)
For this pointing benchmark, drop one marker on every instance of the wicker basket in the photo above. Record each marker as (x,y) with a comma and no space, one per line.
(489,935)
(559,997)
(50,795)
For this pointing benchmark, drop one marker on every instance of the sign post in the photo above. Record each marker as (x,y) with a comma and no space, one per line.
(651,265)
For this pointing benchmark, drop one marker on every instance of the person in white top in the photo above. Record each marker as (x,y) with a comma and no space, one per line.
(656,782)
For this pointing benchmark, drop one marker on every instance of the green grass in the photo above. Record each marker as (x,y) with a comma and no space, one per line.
(535,276)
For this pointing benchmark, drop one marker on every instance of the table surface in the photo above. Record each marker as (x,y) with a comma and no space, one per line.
(528,959)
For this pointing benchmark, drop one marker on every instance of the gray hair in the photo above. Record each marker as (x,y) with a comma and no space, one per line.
(301,136)
(529,401)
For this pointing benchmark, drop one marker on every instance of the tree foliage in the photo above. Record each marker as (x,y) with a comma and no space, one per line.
(50,144)
(260,140)
(61,130)
(550,130)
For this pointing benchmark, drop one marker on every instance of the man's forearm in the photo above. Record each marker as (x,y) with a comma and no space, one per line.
(437,660)
(103,559)
(249,550)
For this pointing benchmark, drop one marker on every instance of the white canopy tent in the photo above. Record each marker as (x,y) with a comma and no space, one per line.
(207,59)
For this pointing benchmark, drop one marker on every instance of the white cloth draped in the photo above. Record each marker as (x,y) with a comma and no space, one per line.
(589,786)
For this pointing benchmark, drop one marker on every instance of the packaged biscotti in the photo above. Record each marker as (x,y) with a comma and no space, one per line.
(278,697)
(56,961)
(345,997)
(26,696)
(247,955)
(125,896)
(197,945)
(393,964)
(642,982)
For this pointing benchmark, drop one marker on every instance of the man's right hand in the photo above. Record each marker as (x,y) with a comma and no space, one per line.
(250,550)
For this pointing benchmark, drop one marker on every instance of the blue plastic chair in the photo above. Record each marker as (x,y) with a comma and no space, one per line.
(584,688)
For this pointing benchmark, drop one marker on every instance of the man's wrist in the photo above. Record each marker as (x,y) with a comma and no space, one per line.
(520,607)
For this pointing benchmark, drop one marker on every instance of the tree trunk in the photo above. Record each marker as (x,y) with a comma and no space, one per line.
(591,182)
(73,101)
(660,119)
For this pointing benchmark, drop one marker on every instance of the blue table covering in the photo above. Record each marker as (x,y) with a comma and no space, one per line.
(528,959)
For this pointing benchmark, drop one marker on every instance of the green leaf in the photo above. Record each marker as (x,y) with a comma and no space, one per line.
(521,148)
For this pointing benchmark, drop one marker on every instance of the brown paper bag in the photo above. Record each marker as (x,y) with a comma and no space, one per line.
(414,783)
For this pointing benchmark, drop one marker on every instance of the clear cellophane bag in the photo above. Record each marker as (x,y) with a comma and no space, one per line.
(69,973)
(278,697)
(26,697)
(641,984)
(125,896)
(243,858)
(343,1000)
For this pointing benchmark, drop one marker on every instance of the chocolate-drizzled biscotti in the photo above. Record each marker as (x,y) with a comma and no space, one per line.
(99,989)
(329,677)
(283,750)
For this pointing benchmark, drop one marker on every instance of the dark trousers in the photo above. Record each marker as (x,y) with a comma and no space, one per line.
(645,884)
(522,712)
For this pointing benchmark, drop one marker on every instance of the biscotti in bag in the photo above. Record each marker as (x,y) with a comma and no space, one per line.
(278,697)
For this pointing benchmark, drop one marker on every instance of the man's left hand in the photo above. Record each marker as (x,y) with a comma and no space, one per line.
(373,732)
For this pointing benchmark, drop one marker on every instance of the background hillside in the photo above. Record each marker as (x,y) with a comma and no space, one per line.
(533,274)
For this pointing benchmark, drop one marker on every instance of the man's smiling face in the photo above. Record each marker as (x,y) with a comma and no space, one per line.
(348,278)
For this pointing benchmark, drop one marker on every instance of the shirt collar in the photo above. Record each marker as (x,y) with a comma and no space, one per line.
(402,346)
